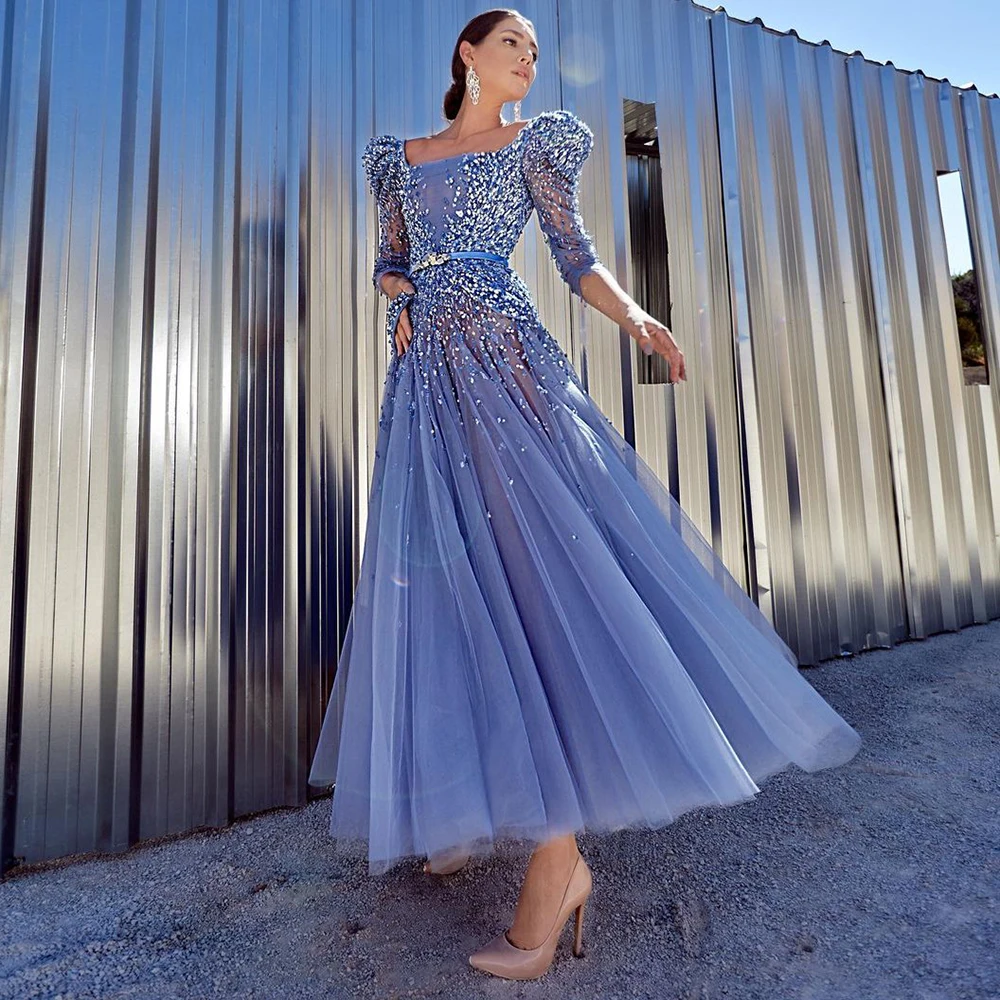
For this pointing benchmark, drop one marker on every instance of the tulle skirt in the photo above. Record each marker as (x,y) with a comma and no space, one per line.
(541,640)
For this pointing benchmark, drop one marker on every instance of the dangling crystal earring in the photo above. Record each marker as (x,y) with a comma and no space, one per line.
(472,84)
(517,111)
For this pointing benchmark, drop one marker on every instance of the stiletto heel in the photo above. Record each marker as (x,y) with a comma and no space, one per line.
(501,958)
(578,934)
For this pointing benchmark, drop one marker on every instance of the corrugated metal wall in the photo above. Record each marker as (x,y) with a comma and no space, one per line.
(192,358)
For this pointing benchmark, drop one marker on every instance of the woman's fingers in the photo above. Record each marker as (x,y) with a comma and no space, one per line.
(653,336)
(404,332)
(404,324)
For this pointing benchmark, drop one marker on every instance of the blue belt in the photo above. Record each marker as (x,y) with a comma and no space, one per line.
(439,257)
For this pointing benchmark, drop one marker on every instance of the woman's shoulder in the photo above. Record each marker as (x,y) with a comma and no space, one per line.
(379,158)
(559,138)
(558,120)
(379,148)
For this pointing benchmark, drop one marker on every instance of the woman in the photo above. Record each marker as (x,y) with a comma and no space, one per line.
(541,641)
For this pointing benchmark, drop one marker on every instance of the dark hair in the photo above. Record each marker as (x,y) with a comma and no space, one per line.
(473,33)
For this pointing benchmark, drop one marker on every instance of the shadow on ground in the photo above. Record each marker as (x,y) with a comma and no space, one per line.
(874,881)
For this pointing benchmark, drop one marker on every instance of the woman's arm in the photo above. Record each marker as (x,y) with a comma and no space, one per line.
(392,259)
(553,159)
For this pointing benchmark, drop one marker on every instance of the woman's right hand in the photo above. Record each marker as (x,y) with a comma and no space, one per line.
(394,284)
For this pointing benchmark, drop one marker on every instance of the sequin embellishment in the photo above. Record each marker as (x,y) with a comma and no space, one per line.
(475,325)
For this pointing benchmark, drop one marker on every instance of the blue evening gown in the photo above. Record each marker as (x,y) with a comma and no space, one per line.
(541,639)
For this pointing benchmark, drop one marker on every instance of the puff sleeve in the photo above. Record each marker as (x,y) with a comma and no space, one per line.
(553,156)
(381,163)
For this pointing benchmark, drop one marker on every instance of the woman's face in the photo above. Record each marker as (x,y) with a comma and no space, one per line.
(505,60)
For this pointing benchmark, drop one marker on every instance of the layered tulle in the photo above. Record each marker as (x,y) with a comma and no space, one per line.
(541,639)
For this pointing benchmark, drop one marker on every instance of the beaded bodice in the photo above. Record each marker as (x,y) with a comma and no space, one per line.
(482,201)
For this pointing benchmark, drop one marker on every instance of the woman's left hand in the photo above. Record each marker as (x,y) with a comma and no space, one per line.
(652,335)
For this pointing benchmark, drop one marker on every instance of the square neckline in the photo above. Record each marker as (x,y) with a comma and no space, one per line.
(458,156)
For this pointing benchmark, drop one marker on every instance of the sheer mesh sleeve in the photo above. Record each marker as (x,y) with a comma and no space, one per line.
(554,153)
(380,162)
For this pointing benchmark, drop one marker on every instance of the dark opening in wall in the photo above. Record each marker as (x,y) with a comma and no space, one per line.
(964,283)
(648,228)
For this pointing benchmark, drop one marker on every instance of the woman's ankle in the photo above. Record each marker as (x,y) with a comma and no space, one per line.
(564,847)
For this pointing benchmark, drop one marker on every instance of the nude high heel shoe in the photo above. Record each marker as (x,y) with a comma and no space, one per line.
(504,959)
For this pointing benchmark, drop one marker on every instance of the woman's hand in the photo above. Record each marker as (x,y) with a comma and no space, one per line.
(394,284)
(652,335)
(599,288)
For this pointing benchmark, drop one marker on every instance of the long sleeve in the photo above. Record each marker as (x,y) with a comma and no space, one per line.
(380,163)
(554,154)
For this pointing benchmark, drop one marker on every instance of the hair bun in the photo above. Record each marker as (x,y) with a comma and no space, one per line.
(453,98)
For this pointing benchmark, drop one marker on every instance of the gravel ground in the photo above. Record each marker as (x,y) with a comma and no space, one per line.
(874,881)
